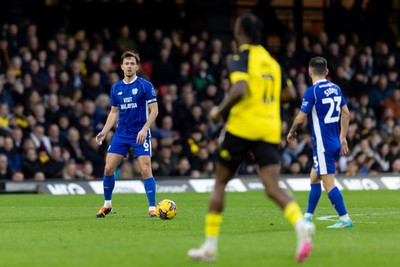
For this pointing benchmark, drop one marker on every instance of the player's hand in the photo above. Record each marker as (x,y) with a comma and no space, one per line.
(345,147)
(291,136)
(214,114)
(141,137)
(100,137)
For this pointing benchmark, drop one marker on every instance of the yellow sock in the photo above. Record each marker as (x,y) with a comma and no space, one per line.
(213,224)
(292,212)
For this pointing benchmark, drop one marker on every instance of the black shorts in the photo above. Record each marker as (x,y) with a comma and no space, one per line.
(234,150)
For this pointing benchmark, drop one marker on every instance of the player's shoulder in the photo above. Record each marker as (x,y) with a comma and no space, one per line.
(144,82)
(239,60)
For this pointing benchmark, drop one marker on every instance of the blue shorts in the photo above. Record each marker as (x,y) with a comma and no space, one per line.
(325,161)
(122,144)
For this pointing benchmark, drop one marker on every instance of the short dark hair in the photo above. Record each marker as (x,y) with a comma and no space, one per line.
(318,65)
(252,27)
(127,54)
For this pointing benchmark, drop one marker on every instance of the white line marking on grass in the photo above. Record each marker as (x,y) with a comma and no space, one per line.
(335,217)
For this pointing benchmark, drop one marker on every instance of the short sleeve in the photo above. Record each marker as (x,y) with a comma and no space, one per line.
(113,99)
(343,102)
(150,93)
(308,100)
(238,66)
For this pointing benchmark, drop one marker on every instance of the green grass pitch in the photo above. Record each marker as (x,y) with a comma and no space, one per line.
(45,230)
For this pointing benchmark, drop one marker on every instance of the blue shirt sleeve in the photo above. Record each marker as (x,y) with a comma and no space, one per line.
(343,102)
(113,99)
(308,100)
(151,96)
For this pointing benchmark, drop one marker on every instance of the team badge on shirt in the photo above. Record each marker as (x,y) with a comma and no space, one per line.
(134,91)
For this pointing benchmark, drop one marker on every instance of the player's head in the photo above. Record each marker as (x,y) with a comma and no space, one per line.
(130,61)
(248,28)
(130,54)
(318,67)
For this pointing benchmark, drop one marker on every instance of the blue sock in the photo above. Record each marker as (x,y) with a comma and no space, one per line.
(313,197)
(108,185)
(337,201)
(150,187)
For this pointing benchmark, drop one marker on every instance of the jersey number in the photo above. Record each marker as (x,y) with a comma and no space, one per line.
(333,104)
(268,84)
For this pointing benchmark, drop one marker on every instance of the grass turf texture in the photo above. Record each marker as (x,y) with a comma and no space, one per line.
(45,230)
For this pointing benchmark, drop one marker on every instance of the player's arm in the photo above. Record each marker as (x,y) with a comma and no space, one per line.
(237,91)
(141,137)
(297,123)
(112,119)
(344,125)
(238,69)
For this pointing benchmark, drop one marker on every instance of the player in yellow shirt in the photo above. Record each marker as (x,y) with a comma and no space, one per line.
(253,126)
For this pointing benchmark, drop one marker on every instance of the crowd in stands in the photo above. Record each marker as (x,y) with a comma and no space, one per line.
(54,99)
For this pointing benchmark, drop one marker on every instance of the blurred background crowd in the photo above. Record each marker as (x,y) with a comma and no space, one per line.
(55,84)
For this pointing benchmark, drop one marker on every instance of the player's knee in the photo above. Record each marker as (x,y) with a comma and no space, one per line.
(146,171)
(108,171)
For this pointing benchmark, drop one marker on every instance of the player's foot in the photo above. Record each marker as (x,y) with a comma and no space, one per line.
(341,224)
(103,212)
(203,253)
(304,244)
(152,212)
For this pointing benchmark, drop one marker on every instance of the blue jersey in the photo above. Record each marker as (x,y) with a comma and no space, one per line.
(132,101)
(322,102)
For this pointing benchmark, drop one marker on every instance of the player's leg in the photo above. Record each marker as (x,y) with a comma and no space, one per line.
(149,183)
(112,162)
(336,198)
(314,195)
(268,157)
(326,170)
(230,156)
(142,152)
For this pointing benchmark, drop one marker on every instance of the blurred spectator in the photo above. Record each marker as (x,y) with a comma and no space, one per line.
(41,141)
(6,172)
(31,165)
(163,69)
(393,102)
(70,171)
(124,41)
(73,145)
(54,167)
(182,168)
(14,159)
(396,166)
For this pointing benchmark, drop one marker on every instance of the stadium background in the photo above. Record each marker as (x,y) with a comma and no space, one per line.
(183,44)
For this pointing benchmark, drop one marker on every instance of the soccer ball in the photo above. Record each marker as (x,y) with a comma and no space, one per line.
(166,209)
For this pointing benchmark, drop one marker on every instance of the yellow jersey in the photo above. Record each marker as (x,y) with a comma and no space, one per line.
(257,114)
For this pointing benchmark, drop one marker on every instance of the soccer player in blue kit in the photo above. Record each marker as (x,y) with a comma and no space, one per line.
(133,108)
(328,115)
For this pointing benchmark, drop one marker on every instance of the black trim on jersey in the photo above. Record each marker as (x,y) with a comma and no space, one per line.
(239,62)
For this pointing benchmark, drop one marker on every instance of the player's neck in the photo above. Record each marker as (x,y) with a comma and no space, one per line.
(318,79)
(243,40)
(129,79)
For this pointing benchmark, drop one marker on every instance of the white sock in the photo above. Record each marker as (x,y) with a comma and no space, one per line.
(107,203)
(345,217)
(152,208)
(298,224)
(211,242)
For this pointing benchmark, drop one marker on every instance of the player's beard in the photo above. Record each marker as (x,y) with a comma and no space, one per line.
(129,74)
